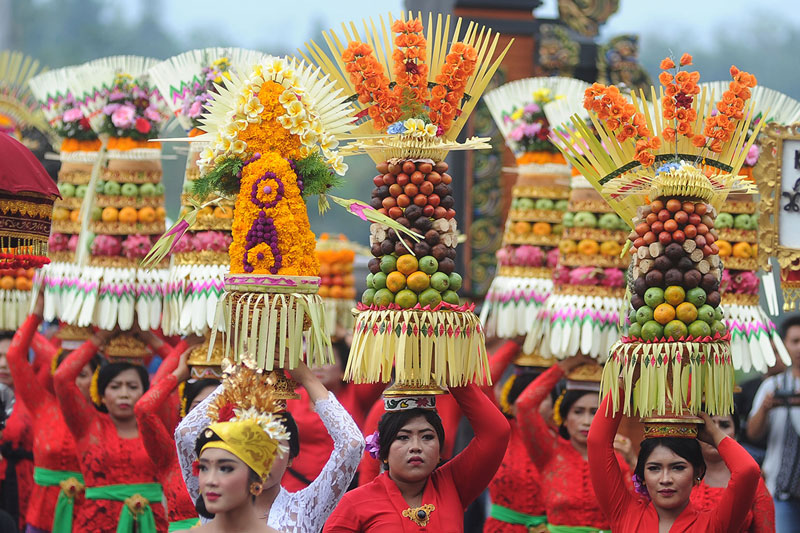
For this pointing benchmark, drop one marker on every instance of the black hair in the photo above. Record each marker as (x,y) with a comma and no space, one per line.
(191,390)
(2,414)
(523,376)
(294,433)
(688,449)
(6,335)
(790,322)
(570,397)
(94,362)
(252,477)
(392,422)
(110,371)
(342,352)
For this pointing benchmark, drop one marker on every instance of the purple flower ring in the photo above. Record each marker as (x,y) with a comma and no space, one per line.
(373,447)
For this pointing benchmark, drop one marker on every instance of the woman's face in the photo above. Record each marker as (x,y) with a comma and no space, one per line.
(5,372)
(202,395)
(579,418)
(669,478)
(122,393)
(224,480)
(414,453)
(330,375)
(84,381)
(725,423)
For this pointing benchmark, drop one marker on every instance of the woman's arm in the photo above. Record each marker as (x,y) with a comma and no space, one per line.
(610,486)
(763,510)
(539,441)
(170,362)
(498,362)
(78,411)
(185,437)
(324,493)
(486,449)
(158,442)
(26,385)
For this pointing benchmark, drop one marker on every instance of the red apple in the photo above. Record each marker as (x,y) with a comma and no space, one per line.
(665,237)
(678,236)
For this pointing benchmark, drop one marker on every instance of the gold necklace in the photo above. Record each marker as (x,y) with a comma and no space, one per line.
(419,515)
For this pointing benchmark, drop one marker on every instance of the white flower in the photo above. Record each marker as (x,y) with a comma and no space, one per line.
(207,154)
(274,67)
(287,97)
(305,151)
(238,147)
(224,145)
(309,137)
(336,162)
(230,130)
(410,125)
(329,142)
(430,130)
(241,124)
(285,121)
(296,108)
(253,108)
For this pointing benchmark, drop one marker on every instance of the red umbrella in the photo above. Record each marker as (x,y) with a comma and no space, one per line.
(27,194)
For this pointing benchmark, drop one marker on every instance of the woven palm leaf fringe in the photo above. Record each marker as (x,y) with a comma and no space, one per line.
(573,324)
(752,337)
(685,375)
(339,314)
(269,325)
(14,306)
(424,347)
(190,299)
(512,305)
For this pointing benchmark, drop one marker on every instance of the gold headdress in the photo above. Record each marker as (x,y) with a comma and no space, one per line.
(244,418)
(668,171)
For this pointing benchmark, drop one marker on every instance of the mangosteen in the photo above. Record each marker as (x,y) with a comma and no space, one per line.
(712,299)
(447,202)
(691,279)
(375,203)
(663,263)
(654,278)
(376,250)
(392,236)
(447,265)
(674,251)
(404,222)
(413,212)
(374,265)
(432,237)
(684,263)
(451,253)
(387,247)
(673,276)
(636,300)
(382,191)
(400,249)
(422,248)
(439,252)
(709,282)
(640,286)
(423,224)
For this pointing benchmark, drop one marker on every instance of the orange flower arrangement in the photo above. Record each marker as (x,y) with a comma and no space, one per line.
(451,84)
(720,128)
(372,84)
(410,70)
(621,118)
(75,145)
(126,143)
(676,103)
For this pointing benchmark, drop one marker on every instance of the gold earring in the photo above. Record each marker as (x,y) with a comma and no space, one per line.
(256,488)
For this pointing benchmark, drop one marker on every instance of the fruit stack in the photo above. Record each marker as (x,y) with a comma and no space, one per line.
(403,272)
(337,283)
(539,200)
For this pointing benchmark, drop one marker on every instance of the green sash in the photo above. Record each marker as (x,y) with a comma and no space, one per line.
(575,529)
(180,525)
(142,516)
(65,504)
(510,516)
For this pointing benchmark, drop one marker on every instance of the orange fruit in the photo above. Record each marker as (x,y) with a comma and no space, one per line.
(686,312)
(349,292)
(324,269)
(23,284)
(207,211)
(161,213)
(754,250)
(147,215)
(349,280)
(522,228)
(111,214)
(664,313)
(75,215)
(61,213)
(725,248)
(418,281)
(407,264)
(396,281)
(337,292)
(588,247)
(742,250)
(223,212)
(324,291)
(542,228)
(567,246)
(674,295)
(7,283)
(30,273)
(127,215)
(610,248)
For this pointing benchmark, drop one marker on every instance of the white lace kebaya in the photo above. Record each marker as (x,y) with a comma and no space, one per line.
(291,512)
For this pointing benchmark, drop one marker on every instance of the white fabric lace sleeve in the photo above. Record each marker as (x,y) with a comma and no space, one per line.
(185,437)
(306,511)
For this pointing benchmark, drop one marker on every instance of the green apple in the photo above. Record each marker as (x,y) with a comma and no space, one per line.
(129,189)
(368,296)
(111,188)
(450,297)
(67,190)
(147,189)
(440,281)
(80,191)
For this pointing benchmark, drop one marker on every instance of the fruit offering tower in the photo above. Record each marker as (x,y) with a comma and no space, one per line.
(124,209)
(414,100)
(529,251)
(271,134)
(669,171)
(199,260)
(337,283)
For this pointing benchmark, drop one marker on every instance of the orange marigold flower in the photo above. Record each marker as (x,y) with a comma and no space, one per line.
(621,137)
(438,92)
(668,113)
(682,77)
(642,131)
(670,91)
(470,54)
(603,113)
(612,124)
(686,59)
(684,128)
(734,71)
(728,97)
(629,130)
(616,111)
(744,94)
(694,76)
(666,63)
(665,78)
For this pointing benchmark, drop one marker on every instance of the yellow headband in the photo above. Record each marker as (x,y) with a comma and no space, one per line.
(557,408)
(248,441)
(94,392)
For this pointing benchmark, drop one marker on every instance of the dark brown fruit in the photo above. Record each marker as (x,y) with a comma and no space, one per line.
(640,286)
(654,278)
(439,252)
(447,202)
(674,251)
(387,247)
(374,265)
(376,250)
(441,166)
(382,191)
(399,249)
(422,249)
(432,237)
(663,263)
(413,212)
(692,279)
(447,266)
(709,283)
(673,276)
(637,301)
(423,224)
(451,253)
(404,221)
(684,263)
(713,299)
(376,203)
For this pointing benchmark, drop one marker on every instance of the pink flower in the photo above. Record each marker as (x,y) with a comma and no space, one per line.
(195,110)
(71,115)
(106,245)
(143,125)
(613,277)
(123,116)
(504,256)
(752,156)
(152,114)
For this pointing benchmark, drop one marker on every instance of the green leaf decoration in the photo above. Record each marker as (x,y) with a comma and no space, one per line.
(223,179)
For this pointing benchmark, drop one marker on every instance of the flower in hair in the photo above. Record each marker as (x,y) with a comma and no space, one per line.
(373,446)
(639,487)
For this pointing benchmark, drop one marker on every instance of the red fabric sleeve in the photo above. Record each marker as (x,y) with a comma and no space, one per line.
(608,481)
(498,362)
(486,449)
(164,350)
(169,410)
(170,361)
(157,440)
(43,353)
(78,411)
(737,497)
(763,510)
(26,385)
(539,440)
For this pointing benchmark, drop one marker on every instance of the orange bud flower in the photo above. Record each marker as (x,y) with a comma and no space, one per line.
(686,59)
(666,63)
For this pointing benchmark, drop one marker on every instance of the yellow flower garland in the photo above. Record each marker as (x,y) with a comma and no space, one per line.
(94,393)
